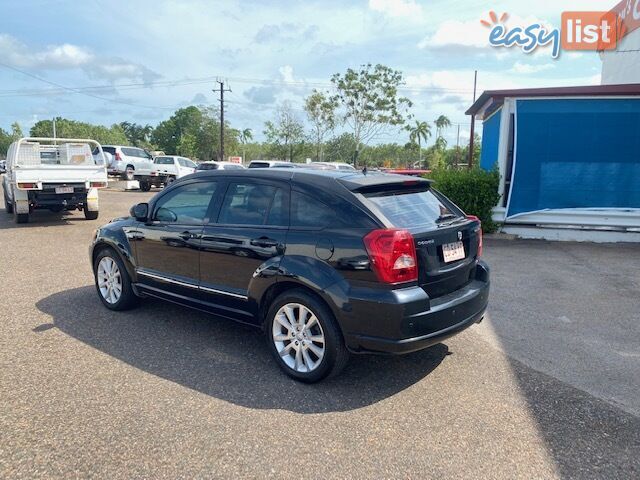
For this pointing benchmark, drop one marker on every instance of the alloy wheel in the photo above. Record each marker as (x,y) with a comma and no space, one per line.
(109,280)
(298,337)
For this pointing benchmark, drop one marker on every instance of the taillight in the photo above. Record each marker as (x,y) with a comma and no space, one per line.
(476,219)
(98,184)
(118,157)
(28,186)
(393,255)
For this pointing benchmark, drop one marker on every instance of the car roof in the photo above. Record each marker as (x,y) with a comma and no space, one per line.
(352,180)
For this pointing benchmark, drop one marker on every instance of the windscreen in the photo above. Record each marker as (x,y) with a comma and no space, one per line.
(408,209)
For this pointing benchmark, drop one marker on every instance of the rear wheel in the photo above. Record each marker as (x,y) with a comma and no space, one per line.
(129,173)
(19,217)
(170,180)
(90,215)
(304,337)
(113,282)
(145,186)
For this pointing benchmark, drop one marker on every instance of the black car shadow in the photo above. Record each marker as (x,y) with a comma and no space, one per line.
(223,359)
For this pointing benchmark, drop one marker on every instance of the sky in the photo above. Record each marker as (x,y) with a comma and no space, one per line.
(107,61)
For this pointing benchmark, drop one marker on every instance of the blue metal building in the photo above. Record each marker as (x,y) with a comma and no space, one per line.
(569,158)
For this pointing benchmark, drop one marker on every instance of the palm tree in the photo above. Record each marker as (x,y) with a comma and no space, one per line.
(441,122)
(245,136)
(420,131)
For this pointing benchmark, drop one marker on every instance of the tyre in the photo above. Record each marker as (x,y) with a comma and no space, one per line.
(8,206)
(170,180)
(19,217)
(145,186)
(113,282)
(129,173)
(90,215)
(304,338)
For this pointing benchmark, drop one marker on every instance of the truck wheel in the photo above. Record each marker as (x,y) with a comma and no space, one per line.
(8,206)
(20,217)
(170,180)
(90,215)
(145,186)
(129,173)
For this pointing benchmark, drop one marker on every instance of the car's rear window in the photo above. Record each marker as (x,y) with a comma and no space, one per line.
(405,209)
(208,166)
(258,164)
(164,161)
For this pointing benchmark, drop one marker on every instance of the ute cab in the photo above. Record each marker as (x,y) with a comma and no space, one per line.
(53,174)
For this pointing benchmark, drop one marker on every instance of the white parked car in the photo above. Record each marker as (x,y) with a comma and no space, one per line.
(126,160)
(331,165)
(220,166)
(271,164)
(53,174)
(163,171)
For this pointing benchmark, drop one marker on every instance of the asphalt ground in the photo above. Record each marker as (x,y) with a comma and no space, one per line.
(546,387)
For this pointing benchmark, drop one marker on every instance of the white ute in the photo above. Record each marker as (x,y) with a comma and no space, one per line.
(165,169)
(53,174)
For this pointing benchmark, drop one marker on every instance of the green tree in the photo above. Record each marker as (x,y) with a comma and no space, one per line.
(340,148)
(245,136)
(138,135)
(442,122)
(370,101)
(16,131)
(418,132)
(321,112)
(66,128)
(285,135)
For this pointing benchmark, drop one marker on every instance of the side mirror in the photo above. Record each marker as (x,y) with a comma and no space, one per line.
(166,215)
(140,211)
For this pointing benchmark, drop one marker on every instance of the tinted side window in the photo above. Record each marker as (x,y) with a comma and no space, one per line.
(188,163)
(250,204)
(309,212)
(187,204)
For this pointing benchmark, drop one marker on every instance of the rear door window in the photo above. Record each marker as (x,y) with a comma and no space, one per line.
(411,208)
(251,204)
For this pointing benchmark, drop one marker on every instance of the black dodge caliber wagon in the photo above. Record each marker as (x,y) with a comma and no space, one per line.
(324,262)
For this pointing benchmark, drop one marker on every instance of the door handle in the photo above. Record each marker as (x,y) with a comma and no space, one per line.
(264,242)
(187,236)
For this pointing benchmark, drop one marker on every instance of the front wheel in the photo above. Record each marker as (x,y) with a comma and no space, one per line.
(304,337)
(113,282)
(8,206)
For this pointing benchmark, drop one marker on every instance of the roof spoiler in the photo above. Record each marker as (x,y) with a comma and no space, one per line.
(382,183)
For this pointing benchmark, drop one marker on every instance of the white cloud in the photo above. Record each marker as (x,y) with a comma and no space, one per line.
(67,56)
(397,8)
(527,68)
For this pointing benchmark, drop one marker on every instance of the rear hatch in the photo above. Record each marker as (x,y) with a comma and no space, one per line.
(446,240)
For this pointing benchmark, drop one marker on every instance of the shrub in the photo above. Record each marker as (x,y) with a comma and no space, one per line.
(475,191)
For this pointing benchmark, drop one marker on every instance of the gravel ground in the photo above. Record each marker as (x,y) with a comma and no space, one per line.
(546,387)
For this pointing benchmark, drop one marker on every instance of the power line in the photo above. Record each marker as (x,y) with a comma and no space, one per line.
(79,91)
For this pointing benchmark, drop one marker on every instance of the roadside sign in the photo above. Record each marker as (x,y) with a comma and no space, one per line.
(235,159)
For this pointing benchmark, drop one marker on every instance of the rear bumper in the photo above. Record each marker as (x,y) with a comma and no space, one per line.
(408,320)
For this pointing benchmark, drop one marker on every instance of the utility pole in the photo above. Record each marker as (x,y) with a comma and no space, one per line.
(221,89)
(473,121)
(458,148)
(54,131)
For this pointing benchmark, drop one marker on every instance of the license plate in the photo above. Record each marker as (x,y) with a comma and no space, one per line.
(64,189)
(453,251)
